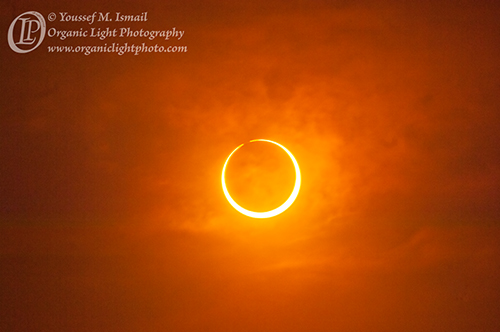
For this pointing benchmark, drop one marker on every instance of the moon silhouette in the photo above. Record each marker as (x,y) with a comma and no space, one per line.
(279,209)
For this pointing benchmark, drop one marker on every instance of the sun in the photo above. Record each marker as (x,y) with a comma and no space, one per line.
(279,209)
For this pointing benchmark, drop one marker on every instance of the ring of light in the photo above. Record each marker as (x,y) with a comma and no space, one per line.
(278,210)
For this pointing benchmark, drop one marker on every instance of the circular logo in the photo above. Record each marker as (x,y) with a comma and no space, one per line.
(26,32)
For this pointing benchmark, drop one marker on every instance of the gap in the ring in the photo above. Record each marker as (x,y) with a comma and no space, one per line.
(260,176)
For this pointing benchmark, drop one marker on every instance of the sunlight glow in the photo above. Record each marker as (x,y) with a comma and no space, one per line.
(278,210)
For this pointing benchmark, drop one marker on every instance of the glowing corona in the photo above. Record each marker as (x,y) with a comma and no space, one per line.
(278,210)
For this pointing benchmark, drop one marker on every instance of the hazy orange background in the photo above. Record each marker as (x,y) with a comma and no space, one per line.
(112,214)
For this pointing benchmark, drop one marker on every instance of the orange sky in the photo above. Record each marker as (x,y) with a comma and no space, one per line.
(111,209)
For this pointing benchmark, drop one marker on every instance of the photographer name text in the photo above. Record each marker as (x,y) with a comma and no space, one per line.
(102,17)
